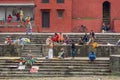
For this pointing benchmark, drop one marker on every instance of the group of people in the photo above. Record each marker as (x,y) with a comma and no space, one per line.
(60,39)
(87,38)
(105,27)
(19,41)
(20,17)
(50,41)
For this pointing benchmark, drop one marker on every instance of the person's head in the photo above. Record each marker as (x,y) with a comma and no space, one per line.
(62,49)
(92,52)
(66,36)
(91,30)
(60,32)
(28,16)
(55,33)
(49,36)
(82,25)
(9,14)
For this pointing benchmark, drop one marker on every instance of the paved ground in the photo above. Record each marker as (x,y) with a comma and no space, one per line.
(67,58)
(70,78)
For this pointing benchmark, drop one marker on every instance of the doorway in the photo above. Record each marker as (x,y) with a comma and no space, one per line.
(106,12)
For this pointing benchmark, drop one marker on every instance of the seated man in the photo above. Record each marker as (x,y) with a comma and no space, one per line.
(92,56)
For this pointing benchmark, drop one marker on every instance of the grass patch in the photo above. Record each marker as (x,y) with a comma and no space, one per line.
(115,74)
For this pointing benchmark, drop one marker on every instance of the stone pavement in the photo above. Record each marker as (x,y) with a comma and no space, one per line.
(69,78)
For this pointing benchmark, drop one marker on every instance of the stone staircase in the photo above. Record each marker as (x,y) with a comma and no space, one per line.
(40,38)
(56,68)
(35,49)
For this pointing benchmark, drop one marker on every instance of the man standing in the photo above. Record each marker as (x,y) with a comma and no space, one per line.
(73,49)
(21,15)
(28,25)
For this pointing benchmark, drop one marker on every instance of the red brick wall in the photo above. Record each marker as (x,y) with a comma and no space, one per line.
(93,9)
(117,25)
(73,9)
(56,24)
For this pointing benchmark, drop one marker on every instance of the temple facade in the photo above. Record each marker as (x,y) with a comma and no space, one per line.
(60,15)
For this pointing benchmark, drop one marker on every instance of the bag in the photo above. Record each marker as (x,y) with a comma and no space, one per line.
(34,69)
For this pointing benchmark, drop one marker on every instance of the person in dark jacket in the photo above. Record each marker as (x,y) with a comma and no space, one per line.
(73,49)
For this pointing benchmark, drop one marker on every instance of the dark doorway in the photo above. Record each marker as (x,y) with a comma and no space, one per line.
(45,19)
(106,12)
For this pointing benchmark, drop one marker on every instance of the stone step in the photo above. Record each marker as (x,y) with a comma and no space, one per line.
(59,62)
(61,69)
(41,71)
(60,65)
(56,67)
(53,74)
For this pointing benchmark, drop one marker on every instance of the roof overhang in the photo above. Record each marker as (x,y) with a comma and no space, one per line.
(16,4)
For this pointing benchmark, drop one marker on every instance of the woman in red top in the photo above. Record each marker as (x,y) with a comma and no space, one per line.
(55,37)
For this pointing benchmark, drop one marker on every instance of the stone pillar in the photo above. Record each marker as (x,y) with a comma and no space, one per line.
(115,64)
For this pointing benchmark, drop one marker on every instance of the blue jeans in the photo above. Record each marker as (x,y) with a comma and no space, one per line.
(73,52)
(28,30)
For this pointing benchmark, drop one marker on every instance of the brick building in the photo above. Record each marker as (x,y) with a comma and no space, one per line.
(60,15)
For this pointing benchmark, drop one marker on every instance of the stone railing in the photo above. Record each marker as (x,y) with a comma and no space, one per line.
(10,50)
(81,51)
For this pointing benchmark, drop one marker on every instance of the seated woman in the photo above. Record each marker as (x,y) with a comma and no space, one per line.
(67,40)
(92,56)
(9,18)
(61,53)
